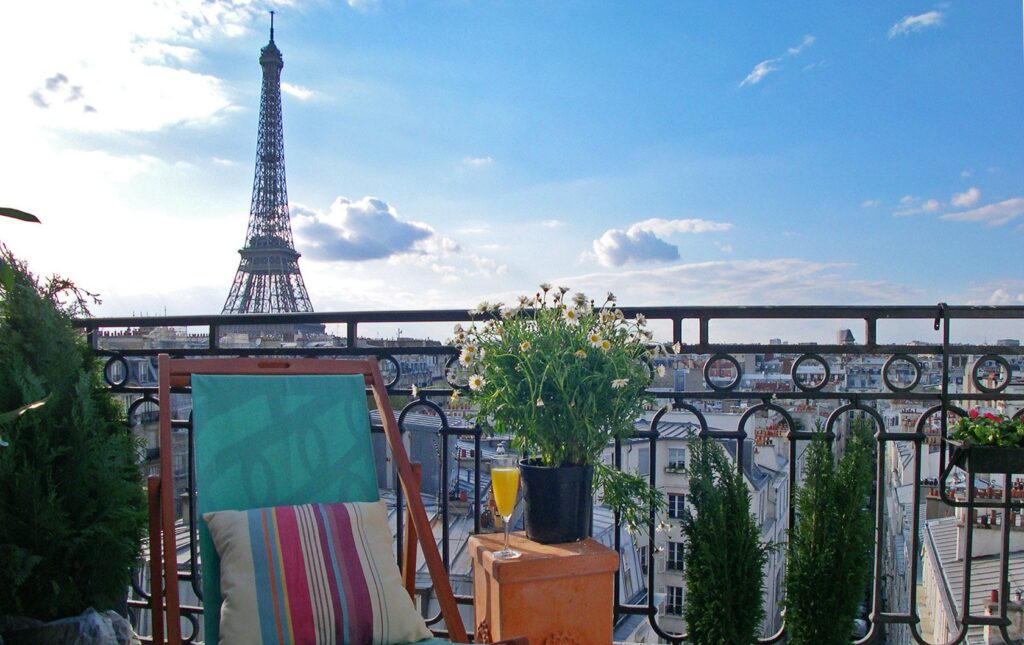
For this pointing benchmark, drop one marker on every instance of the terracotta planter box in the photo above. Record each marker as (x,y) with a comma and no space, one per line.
(553,594)
(987,459)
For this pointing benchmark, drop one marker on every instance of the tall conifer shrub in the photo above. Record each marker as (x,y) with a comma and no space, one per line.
(72,508)
(723,555)
(830,543)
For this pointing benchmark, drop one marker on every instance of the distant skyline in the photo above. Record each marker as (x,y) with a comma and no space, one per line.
(443,153)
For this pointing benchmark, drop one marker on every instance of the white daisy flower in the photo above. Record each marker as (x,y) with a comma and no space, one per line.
(678,348)
(540,403)
(660,370)
(415,392)
(605,344)
(545,286)
(476,382)
(641,320)
(607,317)
(525,345)
(571,316)
(620,383)
(595,339)
(580,353)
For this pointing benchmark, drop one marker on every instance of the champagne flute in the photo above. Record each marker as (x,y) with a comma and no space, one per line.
(505,484)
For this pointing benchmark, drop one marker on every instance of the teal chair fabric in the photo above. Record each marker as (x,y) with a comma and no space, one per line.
(275,441)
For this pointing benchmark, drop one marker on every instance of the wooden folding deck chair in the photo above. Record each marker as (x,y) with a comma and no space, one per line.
(243,467)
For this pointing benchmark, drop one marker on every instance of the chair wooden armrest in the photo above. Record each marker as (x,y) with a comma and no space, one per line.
(409,541)
(518,640)
(156,586)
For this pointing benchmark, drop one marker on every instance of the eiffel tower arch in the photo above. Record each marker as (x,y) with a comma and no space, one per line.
(268,279)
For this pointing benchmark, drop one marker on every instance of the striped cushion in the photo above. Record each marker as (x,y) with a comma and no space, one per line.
(311,574)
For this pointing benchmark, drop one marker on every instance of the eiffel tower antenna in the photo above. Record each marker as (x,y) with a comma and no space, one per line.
(268,278)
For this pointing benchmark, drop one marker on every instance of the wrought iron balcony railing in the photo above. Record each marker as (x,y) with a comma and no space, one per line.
(912,391)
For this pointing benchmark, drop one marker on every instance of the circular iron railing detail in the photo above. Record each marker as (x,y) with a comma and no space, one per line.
(728,358)
(810,358)
(979,365)
(116,366)
(906,358)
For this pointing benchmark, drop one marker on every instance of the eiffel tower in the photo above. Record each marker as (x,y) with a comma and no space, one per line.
(268,278)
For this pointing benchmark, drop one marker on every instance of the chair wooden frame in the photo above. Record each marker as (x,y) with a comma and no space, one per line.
(177,373)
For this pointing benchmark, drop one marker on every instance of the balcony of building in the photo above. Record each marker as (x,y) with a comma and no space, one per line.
(916,369)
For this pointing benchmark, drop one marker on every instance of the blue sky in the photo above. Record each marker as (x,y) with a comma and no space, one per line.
(441,153)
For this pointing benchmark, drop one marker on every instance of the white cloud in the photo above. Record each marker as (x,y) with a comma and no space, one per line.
(998,293)
(351,231)
(298,91)
(552,223)
(642,242)
(617,247)
(912,24)
(966,173)
(125,69)
(762,69)
(870,203)
(364,5)
(997,214)
(911,205)
(806,42)
(478,162)
(742,282)
(666,227)
(369,230)
(766,67)
(966,199)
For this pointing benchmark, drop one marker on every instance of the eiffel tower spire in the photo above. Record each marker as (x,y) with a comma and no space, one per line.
(268,278)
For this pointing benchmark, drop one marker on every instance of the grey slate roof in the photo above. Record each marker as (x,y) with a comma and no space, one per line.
(985,573)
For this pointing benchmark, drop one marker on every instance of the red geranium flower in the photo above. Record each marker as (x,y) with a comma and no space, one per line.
(991,417)
(973,413)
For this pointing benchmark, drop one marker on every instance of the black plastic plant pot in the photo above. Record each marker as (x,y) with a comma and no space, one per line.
(1003,460)
(558,502)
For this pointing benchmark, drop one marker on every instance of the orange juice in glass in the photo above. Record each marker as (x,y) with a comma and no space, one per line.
(505,484)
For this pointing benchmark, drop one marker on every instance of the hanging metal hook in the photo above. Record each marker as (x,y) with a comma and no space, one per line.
(940,315)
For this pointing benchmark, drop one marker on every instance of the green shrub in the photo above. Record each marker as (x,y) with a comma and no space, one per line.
(72,509)
(723,556)
(830,544)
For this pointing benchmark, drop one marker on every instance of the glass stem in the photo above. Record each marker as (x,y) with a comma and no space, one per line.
(507,528)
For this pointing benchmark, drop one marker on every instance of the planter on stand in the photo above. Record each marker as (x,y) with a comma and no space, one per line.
(558,501)
(973,458)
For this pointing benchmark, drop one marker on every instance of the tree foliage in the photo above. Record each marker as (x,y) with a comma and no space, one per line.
(830,544)
(72,508)
(724,556)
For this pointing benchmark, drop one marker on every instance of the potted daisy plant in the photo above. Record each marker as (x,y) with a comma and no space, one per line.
(562,378)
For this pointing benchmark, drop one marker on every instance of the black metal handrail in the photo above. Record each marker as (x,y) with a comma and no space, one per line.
(941,402)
